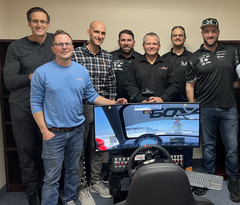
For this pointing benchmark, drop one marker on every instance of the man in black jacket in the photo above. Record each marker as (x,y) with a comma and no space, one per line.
(152,73)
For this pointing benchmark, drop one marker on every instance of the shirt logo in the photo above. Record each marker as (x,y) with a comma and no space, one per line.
(204,59)
(79,78)
(163,68)
(221,55)
(183,63)
(117,65)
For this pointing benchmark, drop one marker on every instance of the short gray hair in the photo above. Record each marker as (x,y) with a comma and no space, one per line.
(151,34)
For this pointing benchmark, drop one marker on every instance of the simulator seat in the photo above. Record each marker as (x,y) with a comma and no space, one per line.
(161,184)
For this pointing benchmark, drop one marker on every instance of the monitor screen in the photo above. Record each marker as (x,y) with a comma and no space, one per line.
(133,125)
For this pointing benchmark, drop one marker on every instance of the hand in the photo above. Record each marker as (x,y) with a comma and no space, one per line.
(155,99)
(47,135)
(30,76)
(121,101)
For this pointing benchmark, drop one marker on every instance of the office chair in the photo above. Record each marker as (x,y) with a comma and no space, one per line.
(160,184)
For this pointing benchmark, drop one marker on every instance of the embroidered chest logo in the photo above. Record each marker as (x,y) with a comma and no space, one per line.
(117,65)
(163,68)
(221,55)
(183,63)
(204,59)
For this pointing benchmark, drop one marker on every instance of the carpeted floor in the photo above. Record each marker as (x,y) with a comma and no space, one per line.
(20,198)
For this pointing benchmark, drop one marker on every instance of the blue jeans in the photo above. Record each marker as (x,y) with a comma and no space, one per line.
(67,147)
(227,121)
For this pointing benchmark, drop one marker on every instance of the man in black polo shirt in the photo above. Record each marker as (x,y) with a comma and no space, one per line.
(122,59)
(178,57)
(210,81)
(151,72)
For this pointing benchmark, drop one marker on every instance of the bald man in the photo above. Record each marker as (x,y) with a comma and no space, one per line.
(99,64)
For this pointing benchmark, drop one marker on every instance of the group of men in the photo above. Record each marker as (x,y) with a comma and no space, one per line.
(66,82)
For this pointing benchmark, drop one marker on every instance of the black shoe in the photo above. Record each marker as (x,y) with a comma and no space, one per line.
(199,190)
(34,199)
(233,187)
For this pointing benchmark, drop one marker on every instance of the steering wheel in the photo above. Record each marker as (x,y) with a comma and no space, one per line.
(153,154)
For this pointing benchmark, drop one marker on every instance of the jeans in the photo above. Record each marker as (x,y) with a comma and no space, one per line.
(67,147)
(227,121)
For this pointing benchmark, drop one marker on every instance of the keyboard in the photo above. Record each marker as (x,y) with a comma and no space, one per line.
(209,181)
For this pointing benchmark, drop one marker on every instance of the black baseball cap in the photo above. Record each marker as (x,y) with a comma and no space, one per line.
(210,22)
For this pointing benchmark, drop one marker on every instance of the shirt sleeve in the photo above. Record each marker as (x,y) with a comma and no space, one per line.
(37,92)
(172,88)
(111,86)
(135,95)
(190,72)
(12,76)
(90,93)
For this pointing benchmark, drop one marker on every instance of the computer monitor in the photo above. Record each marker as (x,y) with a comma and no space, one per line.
(127,126)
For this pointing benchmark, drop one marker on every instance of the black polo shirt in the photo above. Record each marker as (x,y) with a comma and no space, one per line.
(158,78)
(179,63)
(214,75)
(120,65)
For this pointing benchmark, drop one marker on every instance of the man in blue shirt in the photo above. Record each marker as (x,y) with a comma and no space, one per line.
(57,91)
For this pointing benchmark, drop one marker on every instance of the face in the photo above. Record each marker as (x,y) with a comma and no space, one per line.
(62,47)
(97,33)
(210,35)
(178,38)
(126,43)
(38,23)
(151,46)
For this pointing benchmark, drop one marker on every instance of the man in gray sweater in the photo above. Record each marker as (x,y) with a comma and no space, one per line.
(23,57)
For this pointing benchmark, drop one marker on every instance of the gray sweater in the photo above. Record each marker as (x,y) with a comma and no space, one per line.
(23,57)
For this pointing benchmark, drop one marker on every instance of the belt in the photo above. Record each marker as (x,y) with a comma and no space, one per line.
(62,129)
(86,102)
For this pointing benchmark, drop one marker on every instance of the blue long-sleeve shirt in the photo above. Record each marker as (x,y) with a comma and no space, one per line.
(58,92)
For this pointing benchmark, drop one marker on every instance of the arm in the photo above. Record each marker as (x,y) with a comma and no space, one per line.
(104,101)
(39,118)
(131,85)
(190,91)
(12,77)
(36,99)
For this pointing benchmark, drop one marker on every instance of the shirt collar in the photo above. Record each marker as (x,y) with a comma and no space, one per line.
(85,48)
(220,46)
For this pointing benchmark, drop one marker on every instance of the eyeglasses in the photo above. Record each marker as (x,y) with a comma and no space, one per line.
(210,21)
(68,45)
(35,21)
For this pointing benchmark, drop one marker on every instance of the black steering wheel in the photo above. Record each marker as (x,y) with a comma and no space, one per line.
(153,154)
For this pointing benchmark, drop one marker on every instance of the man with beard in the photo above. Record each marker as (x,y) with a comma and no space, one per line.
(210,81)
(178,57)
(122,59)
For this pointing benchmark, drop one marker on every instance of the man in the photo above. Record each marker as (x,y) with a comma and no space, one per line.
(57,91)
(178,57)
(151,72)
(23,57)
(99,64)
(122,59)
(210,81)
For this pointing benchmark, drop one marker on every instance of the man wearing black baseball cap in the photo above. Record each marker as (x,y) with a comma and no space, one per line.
(210,81)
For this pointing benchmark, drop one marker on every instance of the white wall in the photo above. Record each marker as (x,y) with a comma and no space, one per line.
(141,16)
